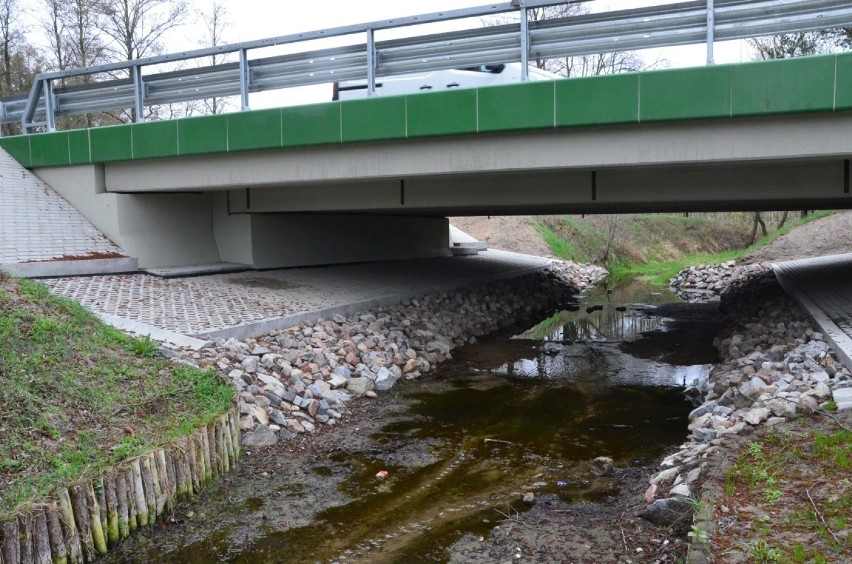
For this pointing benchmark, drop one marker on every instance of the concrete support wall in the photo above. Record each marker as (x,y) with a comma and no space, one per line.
(179,229)
(231,232)
(157,229)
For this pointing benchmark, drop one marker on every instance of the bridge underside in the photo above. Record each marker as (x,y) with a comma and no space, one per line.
(388,200)
(780,162)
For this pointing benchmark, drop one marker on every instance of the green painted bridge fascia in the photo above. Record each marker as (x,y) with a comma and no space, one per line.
(786,86)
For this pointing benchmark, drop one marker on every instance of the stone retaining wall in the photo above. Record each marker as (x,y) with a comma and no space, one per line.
(83,521)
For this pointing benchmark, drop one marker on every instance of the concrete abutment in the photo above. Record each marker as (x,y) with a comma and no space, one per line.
(174,229)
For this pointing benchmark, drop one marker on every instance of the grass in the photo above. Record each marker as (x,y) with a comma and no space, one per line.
(792,496)
(659,273)
(637,238)
(77,396)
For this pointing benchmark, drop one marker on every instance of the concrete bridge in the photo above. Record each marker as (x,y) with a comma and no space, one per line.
(375,179)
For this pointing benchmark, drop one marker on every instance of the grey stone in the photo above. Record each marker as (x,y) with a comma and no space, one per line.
(439,347)
(277,417)
(753,388)
(602,466)
(385,379)
(813,349)
(820,376)
(667,512)
(262,436)
(681,490)
(336,396)
(337,381)
(703,409)
(704,435)
(294,426)
(756,416)
(808,403)
(319,387)
(666,475)
(359,386)
(821,391)
(249,364)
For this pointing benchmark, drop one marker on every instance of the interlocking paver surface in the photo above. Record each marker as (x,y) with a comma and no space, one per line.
(823,285)
(37,224)
(198,305)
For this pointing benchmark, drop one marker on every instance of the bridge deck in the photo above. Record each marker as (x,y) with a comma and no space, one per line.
(823,287)
(787,86)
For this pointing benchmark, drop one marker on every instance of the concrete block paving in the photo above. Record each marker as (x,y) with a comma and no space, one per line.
(253,302)
(37,224)
(823,287)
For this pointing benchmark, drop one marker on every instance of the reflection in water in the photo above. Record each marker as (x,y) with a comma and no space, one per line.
(600,366)
(610,319)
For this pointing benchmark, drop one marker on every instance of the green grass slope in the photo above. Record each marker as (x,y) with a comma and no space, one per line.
(77,396)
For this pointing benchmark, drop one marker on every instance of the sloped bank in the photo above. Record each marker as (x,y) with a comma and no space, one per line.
(773,368)
(98,436)
(301,379)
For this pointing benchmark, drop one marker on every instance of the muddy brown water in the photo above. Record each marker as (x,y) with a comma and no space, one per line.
(506,416)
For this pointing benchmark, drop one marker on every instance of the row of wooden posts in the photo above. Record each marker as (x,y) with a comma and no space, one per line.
(85,520)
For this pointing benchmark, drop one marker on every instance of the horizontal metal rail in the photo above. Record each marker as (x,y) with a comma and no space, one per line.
(641,28)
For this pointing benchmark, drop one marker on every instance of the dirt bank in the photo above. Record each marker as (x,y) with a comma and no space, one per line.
(508,233)
(830,235)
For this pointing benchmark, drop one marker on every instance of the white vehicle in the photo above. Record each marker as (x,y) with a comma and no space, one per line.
(436,81)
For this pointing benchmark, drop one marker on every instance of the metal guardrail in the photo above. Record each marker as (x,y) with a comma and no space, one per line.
(641,28)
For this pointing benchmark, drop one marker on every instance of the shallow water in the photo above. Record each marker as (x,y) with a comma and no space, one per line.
(460,447)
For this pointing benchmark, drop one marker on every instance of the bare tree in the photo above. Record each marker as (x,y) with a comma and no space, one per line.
(57,38)
(136,28)
(82,22)
(216,23)
(791,45)
(11,40)
(582,65)
(73,41)
(19,61)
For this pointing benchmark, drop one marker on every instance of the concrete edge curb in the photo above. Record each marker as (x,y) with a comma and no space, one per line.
(249,330)
(57,268)
(155,333)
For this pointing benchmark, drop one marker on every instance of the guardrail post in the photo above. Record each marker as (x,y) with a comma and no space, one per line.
(711,30)
(138,93)
(49,105)
(371,62)
(244,80)
(525,42)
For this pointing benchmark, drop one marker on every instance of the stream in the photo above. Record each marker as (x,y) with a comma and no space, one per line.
(505,417)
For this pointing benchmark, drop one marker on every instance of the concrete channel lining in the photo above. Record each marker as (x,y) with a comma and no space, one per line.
(786,273)
(254,329)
